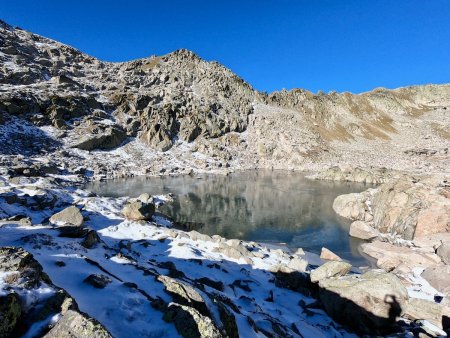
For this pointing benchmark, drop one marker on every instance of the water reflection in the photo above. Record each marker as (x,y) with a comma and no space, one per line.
(264,206)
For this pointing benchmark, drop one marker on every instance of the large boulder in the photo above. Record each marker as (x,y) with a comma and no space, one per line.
(369,303)
(138,211)
(190,323)
(70,216)
(412,207)
(184,294)
(352,206)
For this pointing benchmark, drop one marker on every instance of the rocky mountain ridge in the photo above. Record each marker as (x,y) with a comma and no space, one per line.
(164,101)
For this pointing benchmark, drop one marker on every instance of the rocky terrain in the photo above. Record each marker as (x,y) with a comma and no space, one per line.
(76,264)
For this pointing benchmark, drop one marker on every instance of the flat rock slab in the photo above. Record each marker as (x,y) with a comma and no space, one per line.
(390,257)
(330,269)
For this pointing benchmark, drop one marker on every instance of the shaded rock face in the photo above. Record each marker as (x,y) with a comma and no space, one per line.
(98,281)
(369,303)
(190,323)
(10,312)
(21,307)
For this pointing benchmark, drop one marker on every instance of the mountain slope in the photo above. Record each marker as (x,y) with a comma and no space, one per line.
(204,116)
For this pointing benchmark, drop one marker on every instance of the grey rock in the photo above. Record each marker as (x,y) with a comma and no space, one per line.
(110,137)
(138,210)
(330,269)
(68,216)
(76,324)
(190,323)
(91,239)
(184,294)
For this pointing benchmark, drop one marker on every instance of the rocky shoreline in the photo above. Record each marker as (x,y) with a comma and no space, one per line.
(47,217)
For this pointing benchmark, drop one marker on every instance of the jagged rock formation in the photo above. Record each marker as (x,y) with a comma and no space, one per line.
(158,98)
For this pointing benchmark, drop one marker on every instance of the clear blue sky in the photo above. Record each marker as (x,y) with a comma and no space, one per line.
(343,45)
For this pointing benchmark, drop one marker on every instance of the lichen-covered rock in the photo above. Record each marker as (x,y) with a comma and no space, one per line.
(184,294)
(330,269)
(76,324)
(369,303)
(190,323)
(10,312)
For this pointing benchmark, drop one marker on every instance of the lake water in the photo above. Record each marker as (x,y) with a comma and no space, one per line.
(276,207)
